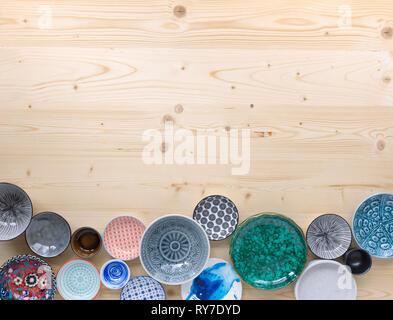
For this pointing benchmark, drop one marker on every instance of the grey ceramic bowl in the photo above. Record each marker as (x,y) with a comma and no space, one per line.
(48,234)
(16,211)
(174,249)
(329,236)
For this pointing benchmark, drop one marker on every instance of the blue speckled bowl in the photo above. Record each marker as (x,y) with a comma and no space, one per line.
(372,225)
(174,249)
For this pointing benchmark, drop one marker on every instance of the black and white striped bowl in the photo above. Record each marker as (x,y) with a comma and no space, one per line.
(16,211)
(329,236)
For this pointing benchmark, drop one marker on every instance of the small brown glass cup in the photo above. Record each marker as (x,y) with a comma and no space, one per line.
(86,242)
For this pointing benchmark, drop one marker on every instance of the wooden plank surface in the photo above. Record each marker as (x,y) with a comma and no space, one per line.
(204,23)
(76,97)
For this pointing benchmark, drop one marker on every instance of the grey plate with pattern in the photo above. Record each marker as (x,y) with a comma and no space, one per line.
(217,215)
(174,249)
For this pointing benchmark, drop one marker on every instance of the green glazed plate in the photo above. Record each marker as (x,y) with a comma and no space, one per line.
(268,251)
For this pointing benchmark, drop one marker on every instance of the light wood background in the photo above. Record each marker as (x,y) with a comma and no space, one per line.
(78,90)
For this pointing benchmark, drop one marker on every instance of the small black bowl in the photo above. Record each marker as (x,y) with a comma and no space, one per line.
(358,260)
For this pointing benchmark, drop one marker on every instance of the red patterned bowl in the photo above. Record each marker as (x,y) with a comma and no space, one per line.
(122,237)
(26,277)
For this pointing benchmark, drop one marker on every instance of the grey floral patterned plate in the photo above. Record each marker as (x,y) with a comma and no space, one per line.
(174,249)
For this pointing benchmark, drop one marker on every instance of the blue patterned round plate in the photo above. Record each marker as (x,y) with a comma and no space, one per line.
(78,279)
(174,249)
(115,274)
(143,288)
(218,281)
(373,225)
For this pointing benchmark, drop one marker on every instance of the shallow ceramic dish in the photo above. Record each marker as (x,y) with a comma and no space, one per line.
(143,288)
(86,242)
(326,280)
(48,234)
(372,225)
(268,251)
(16,211)
(27,277)
(115,274)
(78,279)
(358,260)
(218,216)
(122,237)
(329,236)
(218,281)
(174,249)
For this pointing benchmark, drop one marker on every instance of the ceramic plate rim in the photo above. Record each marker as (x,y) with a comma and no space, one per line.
(353,218)
(102,276)
(32,210)
(316,262)
(69,229)
(203,232)
(78,259)
(329,214)
(106,226)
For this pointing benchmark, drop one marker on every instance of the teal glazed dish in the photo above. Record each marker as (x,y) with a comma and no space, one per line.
(174,249)
(372,225)
(268,251)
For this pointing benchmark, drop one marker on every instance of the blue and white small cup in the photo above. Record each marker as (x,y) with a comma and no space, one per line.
(115,274)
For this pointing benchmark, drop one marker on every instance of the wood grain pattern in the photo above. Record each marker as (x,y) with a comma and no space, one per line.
(205,23)
(76,98)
